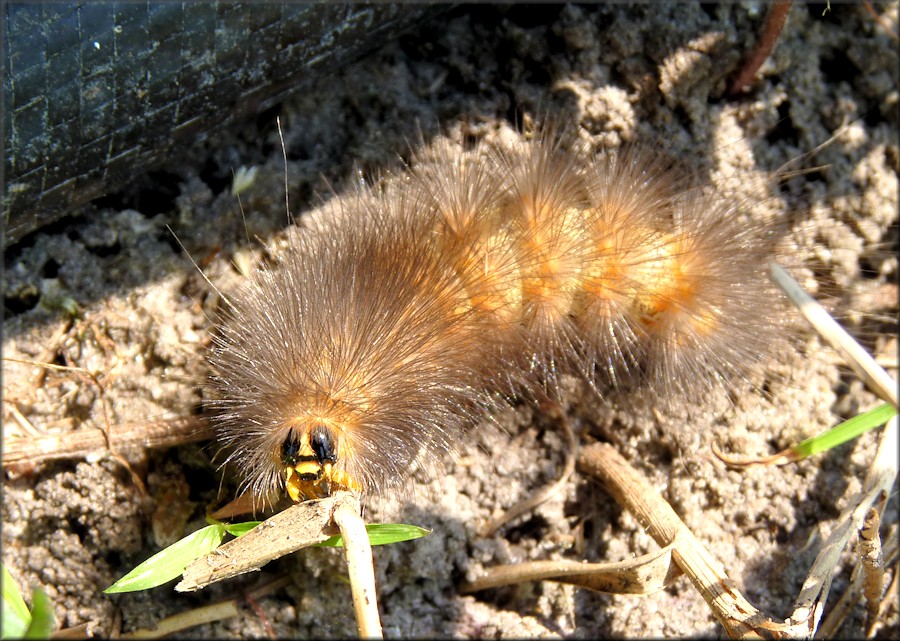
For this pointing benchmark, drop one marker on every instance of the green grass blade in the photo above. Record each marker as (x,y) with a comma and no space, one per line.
(240,529)
(43,622)
(384,534)
(171,562)
(16,617)
(844,432)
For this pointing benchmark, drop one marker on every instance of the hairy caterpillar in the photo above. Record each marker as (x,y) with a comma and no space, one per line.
(474,276)
(621,72)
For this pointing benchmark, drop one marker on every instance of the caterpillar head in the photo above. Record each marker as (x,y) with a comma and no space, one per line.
(309,458)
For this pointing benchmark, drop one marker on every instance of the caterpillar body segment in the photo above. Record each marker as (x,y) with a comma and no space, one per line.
(381,337)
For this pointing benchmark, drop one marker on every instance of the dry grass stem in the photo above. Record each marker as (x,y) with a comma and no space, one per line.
(872,561)
(360,567)
(545,492)
(878,483)
(297,527)
(633,492)
(841,610)
(881,21)
(878,380)
(644,575)
(116,438)
(39,374)
(184,620)
(768,36)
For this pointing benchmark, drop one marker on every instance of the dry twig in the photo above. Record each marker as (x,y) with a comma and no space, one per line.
(644,575)
(545,492)
(633,492)
(116,438)
(360,568)
(775,19)
(297,527)
(852,352)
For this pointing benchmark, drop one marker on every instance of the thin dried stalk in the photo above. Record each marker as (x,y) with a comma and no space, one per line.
(184,620)
(361,569)
(297,527)
(811,601)
(738,616)
(205,614)
(116,438)
(772,27)
(872,558)
(545,492)
(841,610)
(881,21)
(644,575)
(878,380)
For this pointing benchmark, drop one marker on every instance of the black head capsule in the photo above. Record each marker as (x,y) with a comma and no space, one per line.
(307,452)
(322,445)
(309,457)
(290,450)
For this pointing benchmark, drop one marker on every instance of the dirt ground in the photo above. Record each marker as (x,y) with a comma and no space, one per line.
(647,73)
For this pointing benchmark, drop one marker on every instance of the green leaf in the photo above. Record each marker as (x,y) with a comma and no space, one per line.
(16,617)
(171,562)
(18,622)
(240,529)
(846,431)
(42,620)
(384,534)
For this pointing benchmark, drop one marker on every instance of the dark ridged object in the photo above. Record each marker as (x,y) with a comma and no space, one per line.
(96,94)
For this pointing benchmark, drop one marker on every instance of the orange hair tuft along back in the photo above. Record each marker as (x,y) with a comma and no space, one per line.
(380,338)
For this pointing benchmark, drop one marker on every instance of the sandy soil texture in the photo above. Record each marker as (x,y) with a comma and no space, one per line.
(650,74)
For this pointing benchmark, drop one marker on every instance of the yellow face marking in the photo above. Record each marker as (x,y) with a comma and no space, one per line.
(308,468)
(292,484)
(330,481)
(309,456)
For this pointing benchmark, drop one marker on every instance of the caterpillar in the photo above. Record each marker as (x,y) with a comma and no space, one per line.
(473,277)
